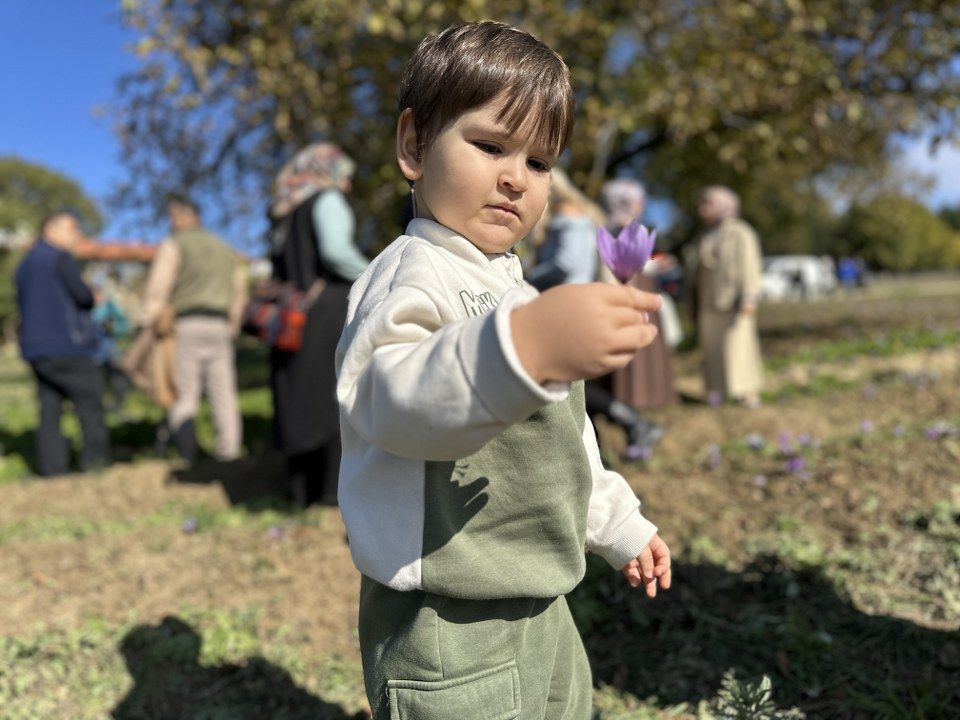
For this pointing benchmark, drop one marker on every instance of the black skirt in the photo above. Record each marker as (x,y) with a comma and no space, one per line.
(304,383)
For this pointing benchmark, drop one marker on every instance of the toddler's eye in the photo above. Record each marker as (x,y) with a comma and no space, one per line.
(487,148)
(539,165)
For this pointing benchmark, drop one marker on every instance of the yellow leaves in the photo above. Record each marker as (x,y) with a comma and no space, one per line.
(188,102)
(376,23)
(145,46)
(281,122)
(791,77)
(230,55)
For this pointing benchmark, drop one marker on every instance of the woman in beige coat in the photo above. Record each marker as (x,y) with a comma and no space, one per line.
(727,267)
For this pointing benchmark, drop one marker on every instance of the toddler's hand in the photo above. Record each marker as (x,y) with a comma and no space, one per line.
(573,332)
(650,567)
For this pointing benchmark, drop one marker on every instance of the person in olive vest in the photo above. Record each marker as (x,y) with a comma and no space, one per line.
(197,275)
(57,340)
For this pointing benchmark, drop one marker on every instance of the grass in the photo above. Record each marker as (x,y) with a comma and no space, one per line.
(150,592)
(197,664)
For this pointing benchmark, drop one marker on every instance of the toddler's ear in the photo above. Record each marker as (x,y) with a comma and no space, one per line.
(407,156)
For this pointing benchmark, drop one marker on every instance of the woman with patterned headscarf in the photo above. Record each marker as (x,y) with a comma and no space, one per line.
(725,265)
(312,246)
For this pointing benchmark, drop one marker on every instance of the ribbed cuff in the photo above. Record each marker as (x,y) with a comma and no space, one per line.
(633,535)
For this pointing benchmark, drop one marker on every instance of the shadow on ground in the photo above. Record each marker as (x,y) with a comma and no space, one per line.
(169,682)
(134,439)
(825,656)
(254,481)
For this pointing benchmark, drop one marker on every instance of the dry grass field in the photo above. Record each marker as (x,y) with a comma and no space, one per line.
(816,542)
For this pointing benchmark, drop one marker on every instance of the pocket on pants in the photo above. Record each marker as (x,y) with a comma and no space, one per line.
(492,694)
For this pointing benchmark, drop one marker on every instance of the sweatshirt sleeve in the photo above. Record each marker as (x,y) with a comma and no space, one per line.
(333,222)
(419,388)
(616,531)
(160,282)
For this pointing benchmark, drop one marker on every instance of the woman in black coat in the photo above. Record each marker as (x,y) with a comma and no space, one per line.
(312,248)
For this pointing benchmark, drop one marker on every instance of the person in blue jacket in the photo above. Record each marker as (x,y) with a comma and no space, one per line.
(57,339)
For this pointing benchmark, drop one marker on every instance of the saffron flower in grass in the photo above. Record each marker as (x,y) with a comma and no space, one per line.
(796,465)
(785,441)
(628,252)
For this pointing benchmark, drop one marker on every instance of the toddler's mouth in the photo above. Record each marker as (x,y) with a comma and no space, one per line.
(506,209)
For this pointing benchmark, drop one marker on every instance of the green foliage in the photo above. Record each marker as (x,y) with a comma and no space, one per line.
(738,700)
(760,94)
(9,259)
(951,216)
(893,232)
(29,191)
(208,664)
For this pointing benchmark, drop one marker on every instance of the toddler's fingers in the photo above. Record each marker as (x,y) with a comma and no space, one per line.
(665,577)
(646,563)
(644,301)
(651,587)
(632,574)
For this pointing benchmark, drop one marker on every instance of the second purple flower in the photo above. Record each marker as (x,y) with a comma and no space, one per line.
(627,253)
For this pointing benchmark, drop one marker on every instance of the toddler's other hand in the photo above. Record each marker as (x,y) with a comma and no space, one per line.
(652,566)
(573,332)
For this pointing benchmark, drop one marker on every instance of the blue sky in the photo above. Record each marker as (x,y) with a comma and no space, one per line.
(61,60)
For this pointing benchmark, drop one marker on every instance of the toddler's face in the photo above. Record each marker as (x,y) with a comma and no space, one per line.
(484,183)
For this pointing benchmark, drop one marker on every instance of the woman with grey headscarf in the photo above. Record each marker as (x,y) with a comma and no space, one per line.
(725,265)
(647,381)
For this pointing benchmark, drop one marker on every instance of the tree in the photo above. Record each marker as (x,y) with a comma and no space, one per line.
(893,232)
(754,93)
(28,192)
(951,216)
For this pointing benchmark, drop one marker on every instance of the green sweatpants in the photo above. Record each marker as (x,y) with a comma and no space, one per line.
(429,657)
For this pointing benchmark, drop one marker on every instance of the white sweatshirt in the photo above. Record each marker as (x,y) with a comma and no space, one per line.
(460,475)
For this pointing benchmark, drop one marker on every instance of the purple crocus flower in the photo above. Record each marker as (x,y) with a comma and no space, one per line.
(755,441)
(189,526)
(275,532)
(785,441)
(627,253)
(760,481)
(803,439)
(714,456)
(796,464)
(939,430)
(866,426)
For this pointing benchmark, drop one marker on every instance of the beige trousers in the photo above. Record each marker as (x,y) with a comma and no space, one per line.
(204,364)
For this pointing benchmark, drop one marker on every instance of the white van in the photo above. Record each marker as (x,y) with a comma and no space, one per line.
(797,276)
